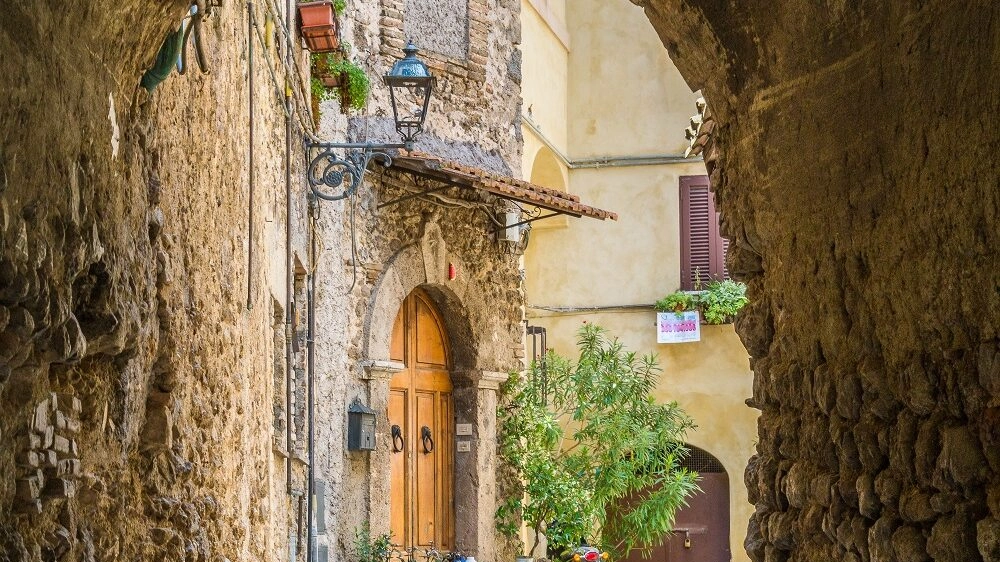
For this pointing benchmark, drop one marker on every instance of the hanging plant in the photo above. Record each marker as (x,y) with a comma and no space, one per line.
(354,84)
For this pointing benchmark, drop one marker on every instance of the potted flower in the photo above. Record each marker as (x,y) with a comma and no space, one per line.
(319,24)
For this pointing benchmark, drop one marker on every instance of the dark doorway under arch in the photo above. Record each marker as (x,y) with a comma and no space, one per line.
(701,530)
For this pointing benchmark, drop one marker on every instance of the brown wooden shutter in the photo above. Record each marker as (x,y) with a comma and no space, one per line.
(703,250)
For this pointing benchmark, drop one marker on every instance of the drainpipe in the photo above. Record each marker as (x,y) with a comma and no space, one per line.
(310,377)
(251,168)
(607,161)
(289,317)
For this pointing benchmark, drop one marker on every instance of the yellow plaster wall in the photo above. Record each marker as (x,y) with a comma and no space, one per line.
(625,98)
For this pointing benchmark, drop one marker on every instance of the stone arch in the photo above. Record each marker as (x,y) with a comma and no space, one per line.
(404,272)
(478,365)
(547,170)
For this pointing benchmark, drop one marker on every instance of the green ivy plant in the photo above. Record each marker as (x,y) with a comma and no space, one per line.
(371,549)
(587,440)
(339,6)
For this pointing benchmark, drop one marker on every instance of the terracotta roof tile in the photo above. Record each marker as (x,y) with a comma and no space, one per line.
(501,186)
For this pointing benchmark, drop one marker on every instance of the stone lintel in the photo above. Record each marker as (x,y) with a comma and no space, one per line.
(380,369)
(491,380)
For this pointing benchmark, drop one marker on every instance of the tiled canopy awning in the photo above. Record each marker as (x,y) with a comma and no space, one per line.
(467,177)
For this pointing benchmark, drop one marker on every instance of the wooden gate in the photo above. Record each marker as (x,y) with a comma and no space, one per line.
(421,421)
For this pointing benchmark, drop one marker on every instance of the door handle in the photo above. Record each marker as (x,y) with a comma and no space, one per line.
(425,437)
(397,437)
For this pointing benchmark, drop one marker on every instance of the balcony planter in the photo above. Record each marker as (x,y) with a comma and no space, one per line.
(319,26)
(719,303)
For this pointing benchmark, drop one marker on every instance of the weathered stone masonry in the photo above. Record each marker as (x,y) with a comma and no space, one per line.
(135,381)
(858,179)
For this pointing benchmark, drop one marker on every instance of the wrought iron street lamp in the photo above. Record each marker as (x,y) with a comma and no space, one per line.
(333,165)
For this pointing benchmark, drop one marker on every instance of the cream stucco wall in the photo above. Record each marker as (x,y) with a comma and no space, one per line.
(624,99)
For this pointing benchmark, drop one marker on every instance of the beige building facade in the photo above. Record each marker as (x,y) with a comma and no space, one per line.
(604,114)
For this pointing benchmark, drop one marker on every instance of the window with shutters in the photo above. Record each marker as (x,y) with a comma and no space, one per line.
(703,249)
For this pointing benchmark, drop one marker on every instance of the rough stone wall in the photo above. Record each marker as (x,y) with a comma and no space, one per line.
(857,177)
(472,118)
(134,378)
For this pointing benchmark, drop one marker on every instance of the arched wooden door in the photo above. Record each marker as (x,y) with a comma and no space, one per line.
(421,420)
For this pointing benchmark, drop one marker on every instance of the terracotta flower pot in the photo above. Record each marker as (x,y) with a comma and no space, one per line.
(319,26)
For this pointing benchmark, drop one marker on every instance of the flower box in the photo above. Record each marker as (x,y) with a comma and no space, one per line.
(319,26)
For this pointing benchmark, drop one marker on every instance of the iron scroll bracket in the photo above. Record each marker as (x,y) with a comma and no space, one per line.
(342,166)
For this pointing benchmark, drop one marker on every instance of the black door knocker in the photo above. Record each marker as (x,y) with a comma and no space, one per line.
(425,436)
(397,439)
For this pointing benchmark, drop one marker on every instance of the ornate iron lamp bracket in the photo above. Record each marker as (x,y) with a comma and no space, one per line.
(342,166)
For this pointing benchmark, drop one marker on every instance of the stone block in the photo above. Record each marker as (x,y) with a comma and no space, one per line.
(31,441)
(60,445)
(27,489)
(69,467)
(988,539)
(59,488)
(28,458)
(909,544)
(48,438)
(41,420)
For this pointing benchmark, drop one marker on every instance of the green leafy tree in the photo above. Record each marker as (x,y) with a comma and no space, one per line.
(598,457)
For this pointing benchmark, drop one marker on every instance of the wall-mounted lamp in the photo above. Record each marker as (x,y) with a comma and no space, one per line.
(410,85)
(360,427)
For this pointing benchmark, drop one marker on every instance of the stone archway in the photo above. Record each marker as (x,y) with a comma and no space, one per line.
(474,374)
(846,193)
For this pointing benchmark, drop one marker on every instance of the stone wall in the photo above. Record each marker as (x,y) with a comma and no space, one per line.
(135,339)
(858,180)
(472,118)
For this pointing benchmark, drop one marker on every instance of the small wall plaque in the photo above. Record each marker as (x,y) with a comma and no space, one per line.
(463,429)
(463,446)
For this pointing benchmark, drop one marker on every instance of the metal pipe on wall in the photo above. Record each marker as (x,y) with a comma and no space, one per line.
(289,280)
(251,166)
(311,375)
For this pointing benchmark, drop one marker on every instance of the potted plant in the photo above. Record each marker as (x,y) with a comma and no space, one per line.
(678,301)
(718,302)
(354,84)
(319,24)
(722,300)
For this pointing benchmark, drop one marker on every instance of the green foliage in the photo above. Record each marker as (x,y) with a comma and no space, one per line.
(339,6)
(719,302)
(722,300)
(353,92)
(678,301)
(369,549)
(590,437)
(357,86)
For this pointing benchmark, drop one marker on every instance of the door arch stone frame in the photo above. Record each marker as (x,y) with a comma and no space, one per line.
(479,366)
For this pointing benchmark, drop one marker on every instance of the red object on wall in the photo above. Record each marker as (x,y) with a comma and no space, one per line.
(452,271)
(319,26)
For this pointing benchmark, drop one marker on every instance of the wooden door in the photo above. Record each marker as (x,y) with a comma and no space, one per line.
(421,421)
(701,529)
